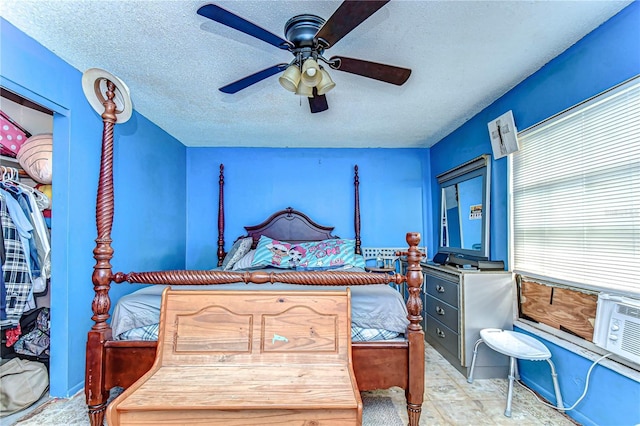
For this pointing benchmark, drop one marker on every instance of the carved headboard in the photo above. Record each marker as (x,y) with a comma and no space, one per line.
(291,226)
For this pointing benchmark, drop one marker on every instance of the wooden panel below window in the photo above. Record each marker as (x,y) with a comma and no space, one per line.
(565,309)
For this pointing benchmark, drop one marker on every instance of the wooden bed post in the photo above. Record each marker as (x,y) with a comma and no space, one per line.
(221,216)
(415,388)
(102,276)
(356,212)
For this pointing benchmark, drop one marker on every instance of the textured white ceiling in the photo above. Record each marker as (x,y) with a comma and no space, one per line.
(464,55)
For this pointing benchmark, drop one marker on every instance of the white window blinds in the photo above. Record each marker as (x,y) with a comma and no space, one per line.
(575,195)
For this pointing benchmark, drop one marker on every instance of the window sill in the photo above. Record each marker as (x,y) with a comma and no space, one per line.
(581,347)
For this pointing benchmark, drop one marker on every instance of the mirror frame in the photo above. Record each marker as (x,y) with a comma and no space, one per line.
(480,166)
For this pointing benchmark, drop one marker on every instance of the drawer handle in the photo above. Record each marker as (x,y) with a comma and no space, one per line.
(439,289)
(439,332)
(439,310)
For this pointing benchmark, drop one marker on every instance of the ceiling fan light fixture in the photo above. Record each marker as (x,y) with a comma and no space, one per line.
(304,90)
(307,38)
(311,73)
(326,83)
(290,78)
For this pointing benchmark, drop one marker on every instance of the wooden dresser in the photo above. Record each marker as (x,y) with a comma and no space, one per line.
(248,358)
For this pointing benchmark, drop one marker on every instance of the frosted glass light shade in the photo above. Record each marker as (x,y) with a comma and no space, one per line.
(304,90)
(326,83)
(311,73)
(290,78)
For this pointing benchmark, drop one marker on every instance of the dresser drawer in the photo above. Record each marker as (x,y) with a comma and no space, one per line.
(444,312)
(440,333)
(443,289)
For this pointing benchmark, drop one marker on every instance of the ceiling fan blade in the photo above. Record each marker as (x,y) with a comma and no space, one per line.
(247,81)
(387,73)
(349,15)
(229,19)
(318,103)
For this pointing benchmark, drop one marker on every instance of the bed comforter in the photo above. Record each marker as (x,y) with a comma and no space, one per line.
(378,312)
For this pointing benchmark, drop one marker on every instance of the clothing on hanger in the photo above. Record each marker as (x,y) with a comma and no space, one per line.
(26,246)
(41,236)
(23,224)
(15,270)
(3,291)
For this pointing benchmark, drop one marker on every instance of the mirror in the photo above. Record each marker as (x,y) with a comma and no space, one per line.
(464,212)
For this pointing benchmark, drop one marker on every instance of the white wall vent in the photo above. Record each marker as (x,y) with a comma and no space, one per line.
(617,327)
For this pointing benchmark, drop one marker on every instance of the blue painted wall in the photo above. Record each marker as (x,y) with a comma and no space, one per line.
(149,179)
(318,182)
(611,399)
(606,57)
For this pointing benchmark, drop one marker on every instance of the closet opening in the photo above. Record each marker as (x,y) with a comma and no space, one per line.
(26,151)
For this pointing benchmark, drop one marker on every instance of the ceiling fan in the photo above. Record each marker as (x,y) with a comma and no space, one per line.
(307,38)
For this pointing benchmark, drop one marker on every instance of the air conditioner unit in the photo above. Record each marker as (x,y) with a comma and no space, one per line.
(617,327)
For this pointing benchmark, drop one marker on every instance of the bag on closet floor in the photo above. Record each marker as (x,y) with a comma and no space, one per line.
(34,341)
(22,383)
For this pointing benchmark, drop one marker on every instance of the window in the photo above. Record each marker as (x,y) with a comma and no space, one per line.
(575,195)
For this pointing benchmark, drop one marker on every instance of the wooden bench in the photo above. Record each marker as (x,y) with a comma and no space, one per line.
(247,358)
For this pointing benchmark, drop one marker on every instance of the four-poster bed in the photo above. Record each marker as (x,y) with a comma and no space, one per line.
(119,363)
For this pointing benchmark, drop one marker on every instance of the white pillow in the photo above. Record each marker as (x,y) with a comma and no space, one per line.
(239,249)
(245,262)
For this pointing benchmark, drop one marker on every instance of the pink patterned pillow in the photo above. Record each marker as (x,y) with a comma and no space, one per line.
(330,254)
(272,253)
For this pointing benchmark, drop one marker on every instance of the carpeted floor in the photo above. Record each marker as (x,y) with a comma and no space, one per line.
(379,411)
